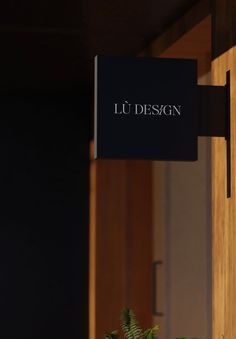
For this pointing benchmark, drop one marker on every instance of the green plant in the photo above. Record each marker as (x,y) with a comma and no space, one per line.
(131,328)
(112,335)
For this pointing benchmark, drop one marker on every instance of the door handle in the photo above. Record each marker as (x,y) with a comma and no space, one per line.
(155,266)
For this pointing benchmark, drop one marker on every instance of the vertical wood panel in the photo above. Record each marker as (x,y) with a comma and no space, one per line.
(110,244)
(120,243)
(92,251)
(139,245)
(224,215)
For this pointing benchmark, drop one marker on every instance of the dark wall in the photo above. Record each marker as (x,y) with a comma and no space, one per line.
(43,216)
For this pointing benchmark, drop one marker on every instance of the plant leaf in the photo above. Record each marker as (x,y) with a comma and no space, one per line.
(151,332)
(130,325)
(111,335)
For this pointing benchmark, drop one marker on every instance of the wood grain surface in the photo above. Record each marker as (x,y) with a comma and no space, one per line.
(120,243)
(224,213)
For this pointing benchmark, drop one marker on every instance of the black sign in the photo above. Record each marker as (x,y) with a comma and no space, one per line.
(145,108)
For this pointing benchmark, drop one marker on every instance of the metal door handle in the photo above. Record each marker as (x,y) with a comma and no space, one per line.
(155,310)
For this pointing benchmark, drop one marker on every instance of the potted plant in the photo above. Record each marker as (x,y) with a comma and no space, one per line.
(131,328)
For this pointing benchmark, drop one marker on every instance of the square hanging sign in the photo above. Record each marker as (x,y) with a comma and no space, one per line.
(145,108)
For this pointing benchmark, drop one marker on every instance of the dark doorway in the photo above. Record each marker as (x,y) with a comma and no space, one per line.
(44,216)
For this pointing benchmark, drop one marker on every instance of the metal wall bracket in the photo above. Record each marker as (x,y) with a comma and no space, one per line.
(214,117)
